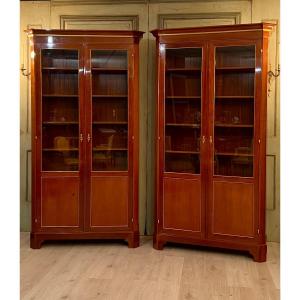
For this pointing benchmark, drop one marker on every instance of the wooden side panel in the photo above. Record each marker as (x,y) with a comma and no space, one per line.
(233,209)
(182,204)
(109,201)
(60,202)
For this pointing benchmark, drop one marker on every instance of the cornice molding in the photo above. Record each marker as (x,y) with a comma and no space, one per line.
(99,2)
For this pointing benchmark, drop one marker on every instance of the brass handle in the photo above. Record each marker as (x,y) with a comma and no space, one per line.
(81,137)
(210,139)
(88,138)
(203,139)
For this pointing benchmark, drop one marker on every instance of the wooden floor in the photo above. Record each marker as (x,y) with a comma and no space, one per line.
(109,270)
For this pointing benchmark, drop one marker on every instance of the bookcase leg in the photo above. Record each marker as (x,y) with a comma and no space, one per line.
(259,253)
(133,240)
(35,242)
(157,243)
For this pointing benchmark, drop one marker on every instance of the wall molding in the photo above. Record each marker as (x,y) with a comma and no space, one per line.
(112,2)
(132,19)
(273,203)
(163,18)
(28,176)
(276,32)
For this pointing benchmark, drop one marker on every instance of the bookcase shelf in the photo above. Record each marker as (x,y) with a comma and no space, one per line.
(234,97)
(233,154)
(187,125)
(110,96)
(59,150)
(60,123)
(234,125)
(60,69)
(235,69)
(110,70)
(184,70)
(182,152)
(60,96)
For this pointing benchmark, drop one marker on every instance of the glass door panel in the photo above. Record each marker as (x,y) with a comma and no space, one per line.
(60,110)
(109,110)
(234,111)
(183,110)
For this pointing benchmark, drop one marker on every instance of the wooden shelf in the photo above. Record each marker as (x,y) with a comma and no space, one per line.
(60,123)
(235,97)
(233,154)
(110,70)
(58,149)
(110,122)
(185,70)
(107,149)
(65,70)
(183,97)
(181,152)
(234,125)
(60,96)
(109,96)
(235,69)
(183,125)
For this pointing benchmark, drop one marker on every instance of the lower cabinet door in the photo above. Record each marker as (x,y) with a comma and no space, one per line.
(181,206)
(109,203)
(60,205)
(232,210)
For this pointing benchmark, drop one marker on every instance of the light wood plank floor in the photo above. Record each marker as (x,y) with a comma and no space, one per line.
(109,270)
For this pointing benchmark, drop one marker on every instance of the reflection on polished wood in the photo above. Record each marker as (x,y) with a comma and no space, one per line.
(106,270)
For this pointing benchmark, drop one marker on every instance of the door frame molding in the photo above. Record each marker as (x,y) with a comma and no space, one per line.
(133,19)
(162,18)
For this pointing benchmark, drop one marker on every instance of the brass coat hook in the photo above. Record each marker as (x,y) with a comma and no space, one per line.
(23,71)
(270,75)
(276,74)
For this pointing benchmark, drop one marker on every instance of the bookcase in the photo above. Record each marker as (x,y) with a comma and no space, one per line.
(211,137)
(84,135)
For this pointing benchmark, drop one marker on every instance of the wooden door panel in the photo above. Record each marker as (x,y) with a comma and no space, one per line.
(233,209)
(60,202)
(109,201)
(182,204)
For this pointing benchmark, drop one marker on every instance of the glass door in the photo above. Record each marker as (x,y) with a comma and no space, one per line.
(183,72)
(60,109)
(109,69)
(234,111)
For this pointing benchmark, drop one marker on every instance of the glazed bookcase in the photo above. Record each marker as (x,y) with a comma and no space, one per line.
(211,137)
(84,135)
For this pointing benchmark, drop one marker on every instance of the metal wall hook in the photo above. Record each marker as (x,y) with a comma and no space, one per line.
(270,75)
(276,74)
(23,71)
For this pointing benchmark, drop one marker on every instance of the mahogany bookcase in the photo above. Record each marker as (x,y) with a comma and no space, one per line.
(211,137)
(85,135)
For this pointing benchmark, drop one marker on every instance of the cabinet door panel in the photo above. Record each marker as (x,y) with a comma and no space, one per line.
(109,95)
(234,109)
(60,109)
(182,110)
(60,202)
(233,209)
(109,126)
(234,103)
(58,123)
(109,201)
(181,204)
(182,114)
